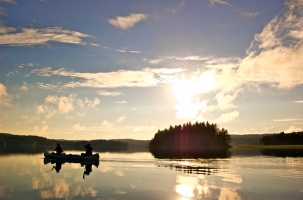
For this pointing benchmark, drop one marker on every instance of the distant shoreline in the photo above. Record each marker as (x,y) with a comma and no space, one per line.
(267,146)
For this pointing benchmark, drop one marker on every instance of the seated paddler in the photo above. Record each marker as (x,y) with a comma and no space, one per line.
(58,149)
(88,149)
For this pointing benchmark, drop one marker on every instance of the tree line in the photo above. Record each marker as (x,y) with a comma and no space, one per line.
(295,138)
(10,140)
(191,136)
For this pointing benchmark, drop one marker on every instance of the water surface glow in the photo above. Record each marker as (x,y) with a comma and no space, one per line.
(141,176)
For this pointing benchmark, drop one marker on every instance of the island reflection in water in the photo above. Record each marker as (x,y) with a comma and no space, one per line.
(282,152)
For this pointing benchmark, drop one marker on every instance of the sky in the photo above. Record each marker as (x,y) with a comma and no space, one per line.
(109,69)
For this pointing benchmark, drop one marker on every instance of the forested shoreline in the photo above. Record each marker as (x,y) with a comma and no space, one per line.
(10,141)
(295,138)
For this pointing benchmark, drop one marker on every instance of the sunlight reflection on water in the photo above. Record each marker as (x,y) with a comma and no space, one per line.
(140,176)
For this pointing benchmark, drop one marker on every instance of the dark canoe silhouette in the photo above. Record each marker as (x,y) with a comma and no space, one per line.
(71,156)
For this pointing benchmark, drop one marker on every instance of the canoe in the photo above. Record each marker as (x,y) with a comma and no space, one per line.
(71,156)
(47,161)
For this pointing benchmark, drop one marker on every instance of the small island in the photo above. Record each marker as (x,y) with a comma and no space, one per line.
(190,140)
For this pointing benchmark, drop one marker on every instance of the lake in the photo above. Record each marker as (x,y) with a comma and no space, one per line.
(245,174)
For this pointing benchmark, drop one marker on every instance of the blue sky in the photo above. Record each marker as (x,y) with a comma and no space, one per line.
(125,69)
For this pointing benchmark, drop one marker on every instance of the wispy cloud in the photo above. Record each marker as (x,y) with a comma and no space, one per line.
(5,98)
(8,1)
(121,102)
(212,3)
(127,22)
(176,9)
(105,124)
(275,55)
(108,93)
(31,36)
(54,104)
(193,58)
(286,120)
(146,78)
(298,101)
(96,45)
(292,129)
(24,87)
(185,58)
(2,11)
(251,14)
(78,127)
(120,119)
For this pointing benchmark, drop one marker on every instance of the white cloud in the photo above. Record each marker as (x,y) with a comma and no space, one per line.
(213,2)
(192,58)
(228,117)
(78,127)
(298,101)
(127,22)
(146,78)
(155,61)
(292,129)
(120,119)
(24,87)
(54,104)
(106,124)
(65,103)
(119,192)
(225,101)
(5,98)
(96,45)
(275,55)
(107,93)
(93,103)
(31,36)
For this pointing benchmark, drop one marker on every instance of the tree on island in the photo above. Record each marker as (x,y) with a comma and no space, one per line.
(191,136)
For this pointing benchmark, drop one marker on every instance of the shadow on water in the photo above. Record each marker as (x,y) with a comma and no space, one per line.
(57,165)
(179,154)
(282,152)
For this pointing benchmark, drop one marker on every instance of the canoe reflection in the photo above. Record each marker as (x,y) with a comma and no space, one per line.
(57,165)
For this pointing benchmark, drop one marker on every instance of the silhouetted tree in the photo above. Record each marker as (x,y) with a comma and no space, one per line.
(191,136)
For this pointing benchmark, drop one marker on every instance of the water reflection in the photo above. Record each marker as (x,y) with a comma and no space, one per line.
(201,188)
(57,165)
(207,153)
(196,170)
(282,152)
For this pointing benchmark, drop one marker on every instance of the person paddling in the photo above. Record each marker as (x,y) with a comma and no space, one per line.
(58,149)
(88,149)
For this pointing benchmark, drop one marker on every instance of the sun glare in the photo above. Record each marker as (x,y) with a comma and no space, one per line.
(185,190)
(185,91)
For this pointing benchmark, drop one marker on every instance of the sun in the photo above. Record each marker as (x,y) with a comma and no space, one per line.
(185,92)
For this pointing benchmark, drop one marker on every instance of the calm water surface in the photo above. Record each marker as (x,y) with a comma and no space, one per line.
(141,176)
